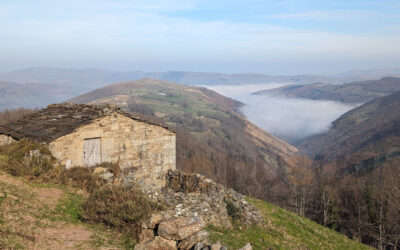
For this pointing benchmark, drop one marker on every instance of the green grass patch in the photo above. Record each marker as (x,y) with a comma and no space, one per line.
(282,230)
(69,208)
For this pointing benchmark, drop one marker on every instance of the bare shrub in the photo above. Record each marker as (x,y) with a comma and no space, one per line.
(10,115)
(18,160)
(77,177)
(119,207)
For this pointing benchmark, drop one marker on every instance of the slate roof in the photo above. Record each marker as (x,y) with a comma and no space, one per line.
(57,120)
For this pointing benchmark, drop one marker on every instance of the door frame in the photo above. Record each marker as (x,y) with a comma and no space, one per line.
(83,150)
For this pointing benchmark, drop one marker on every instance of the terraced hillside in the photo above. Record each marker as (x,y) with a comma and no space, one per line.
(213,138)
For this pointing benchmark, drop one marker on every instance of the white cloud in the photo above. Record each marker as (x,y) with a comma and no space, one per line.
(138,31)
(288,118)
(329,15)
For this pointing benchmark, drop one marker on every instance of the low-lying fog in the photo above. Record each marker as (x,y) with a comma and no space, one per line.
(287,118)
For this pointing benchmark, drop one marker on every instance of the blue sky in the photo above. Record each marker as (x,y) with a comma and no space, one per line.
(273,37)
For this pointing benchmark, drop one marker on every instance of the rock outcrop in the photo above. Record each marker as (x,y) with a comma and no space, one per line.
(193,202)
(180,228)
(161,231)
(195,195)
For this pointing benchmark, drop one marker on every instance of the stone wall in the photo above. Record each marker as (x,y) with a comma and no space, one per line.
(146,151)
(5,139)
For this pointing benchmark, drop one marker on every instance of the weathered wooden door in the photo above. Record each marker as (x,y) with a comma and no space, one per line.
(91,152)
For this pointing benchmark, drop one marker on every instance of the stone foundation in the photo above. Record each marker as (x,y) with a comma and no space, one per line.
(5,139)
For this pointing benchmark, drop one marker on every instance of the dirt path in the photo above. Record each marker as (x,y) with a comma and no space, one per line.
(34,216)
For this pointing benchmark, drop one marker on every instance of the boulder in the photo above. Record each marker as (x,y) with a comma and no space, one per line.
(99,170)
(181,227)
(107,176)
(215,246)
(198,246)
(157,243)
(190,241)
(146,235)
(247,247)
(155,219)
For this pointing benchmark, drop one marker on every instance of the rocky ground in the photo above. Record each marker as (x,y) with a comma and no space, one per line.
(193,202)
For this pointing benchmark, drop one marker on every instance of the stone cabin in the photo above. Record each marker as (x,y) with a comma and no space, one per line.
(86,135)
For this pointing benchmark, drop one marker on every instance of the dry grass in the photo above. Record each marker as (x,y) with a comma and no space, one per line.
(115,206)
(18,162)
(119,207)
(77,177)
(45,216)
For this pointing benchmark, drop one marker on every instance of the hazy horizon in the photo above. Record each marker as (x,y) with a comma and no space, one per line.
(390,71)
(268,37)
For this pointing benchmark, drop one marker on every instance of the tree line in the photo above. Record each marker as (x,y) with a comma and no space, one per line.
(364,207)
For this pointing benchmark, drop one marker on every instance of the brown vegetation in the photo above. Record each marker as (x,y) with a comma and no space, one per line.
(365,208)
(25,158)
(7,116)
(116,206)
(119,207)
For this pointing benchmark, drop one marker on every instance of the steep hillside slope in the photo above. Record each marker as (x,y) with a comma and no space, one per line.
(283,230)
(363,138)
(32,95)
(355,92)
(53,213)
(213,139)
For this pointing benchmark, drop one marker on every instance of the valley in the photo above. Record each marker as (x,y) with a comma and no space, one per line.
(363,138)
(213,138)
(200,125)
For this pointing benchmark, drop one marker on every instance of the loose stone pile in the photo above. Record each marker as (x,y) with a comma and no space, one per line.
(176,233)
(171,233)
(195,195)
(193,202)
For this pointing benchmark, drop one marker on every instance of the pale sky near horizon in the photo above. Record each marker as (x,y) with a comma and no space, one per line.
(271,36)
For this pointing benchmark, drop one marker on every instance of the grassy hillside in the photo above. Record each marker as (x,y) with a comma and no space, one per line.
(213,138)
(283,230)
(354,92)
(54,222)
(44,216)
(363,138)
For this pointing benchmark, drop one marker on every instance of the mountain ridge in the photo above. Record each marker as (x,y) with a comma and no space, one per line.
(32,95)
(370,132)
(353,92)
(97,77)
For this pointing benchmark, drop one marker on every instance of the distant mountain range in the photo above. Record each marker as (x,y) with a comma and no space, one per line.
(371,73)
(56,85)
(361,139)
(95,78)
(354,92)
(32,95)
